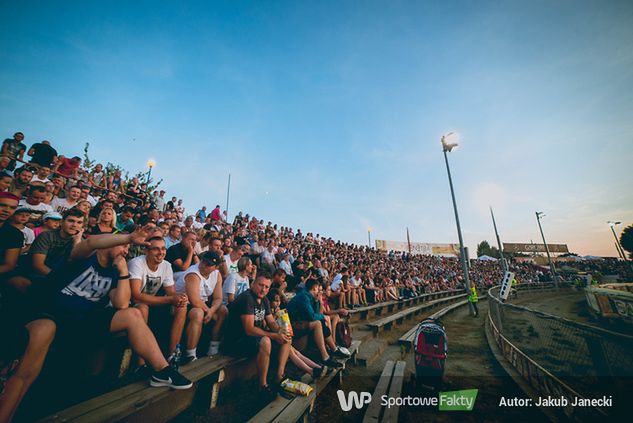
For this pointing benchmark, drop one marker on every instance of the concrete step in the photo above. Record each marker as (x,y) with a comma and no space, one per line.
(371,351)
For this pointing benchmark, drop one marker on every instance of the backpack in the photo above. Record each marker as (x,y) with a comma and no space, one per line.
(430,344)
(343,334)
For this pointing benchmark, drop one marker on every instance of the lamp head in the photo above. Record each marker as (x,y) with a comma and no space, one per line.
(151,163)
(612,223)
(369,229)
(446,146)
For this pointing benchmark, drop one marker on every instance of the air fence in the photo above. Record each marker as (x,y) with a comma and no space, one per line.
(562,358)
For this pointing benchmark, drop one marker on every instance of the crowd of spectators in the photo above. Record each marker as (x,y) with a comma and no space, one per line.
(87,252)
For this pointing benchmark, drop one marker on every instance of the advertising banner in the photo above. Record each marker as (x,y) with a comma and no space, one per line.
(419,248)
(534,248)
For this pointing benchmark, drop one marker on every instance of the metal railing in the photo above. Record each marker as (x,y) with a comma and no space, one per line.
(560,357)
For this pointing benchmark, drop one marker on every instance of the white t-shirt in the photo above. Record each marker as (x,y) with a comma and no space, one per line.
(355,282)
(36,178)
(268,257)
(29,236)
(232,265)
(39,210)
(234,284)
(197,250)
(206,285)
(151,281)
(61,204)
(336,282)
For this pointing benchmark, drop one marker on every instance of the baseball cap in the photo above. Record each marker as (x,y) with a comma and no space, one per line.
(211,258)
(22,209)
(52,215)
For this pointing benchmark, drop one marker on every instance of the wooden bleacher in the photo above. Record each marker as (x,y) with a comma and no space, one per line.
(363,312)
(141,402)
(390,383)
(397,318)
(282,410)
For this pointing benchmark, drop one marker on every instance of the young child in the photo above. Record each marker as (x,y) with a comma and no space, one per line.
(298,359)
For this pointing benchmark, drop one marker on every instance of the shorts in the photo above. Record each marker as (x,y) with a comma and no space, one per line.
(93,326)
(246,347)
(298,333)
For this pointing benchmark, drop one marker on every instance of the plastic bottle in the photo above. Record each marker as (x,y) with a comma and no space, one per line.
(175,358)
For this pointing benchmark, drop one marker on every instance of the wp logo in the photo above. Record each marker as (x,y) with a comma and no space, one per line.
(353,399)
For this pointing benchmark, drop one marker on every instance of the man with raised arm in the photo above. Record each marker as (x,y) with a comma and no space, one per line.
(90,298)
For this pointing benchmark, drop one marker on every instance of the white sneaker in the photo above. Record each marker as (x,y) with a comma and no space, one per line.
(214,348)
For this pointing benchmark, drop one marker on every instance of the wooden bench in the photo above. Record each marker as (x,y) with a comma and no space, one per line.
(390,384)
(140,402)
(363,312)
(283,410)
(397,318)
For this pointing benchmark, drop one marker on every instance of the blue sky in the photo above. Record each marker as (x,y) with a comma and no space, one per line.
(328,115)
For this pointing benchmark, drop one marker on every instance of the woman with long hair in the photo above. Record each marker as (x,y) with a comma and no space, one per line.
(106,223)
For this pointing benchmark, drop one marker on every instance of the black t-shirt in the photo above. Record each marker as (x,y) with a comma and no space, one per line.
(174,253)
(245,304)
(43,154)
(10,238)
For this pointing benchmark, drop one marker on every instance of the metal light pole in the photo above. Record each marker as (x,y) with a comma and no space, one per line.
(369,236)
(446,147)
(150,163)
(618,246)
(539,215)
(228,191)
(504,265)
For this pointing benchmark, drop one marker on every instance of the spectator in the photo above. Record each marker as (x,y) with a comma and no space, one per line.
(51,246)
(202,213)
(35,202)
(203,285)
(215,213)
(124,221)
(42,154)
(232,258)
(18,220)
(115,182)
(236,283)
(14,149)
(285,265)
(85,195)
(106,223)
(68,167)
(11,239)
(6,177)
(21,181)
(62,204)
(94,275)
(41,175)
(159,201)
(97,176)
(51,220)
(181,255)
(148,274)
(4,164)
(247,336)
(306,319)
(173,237)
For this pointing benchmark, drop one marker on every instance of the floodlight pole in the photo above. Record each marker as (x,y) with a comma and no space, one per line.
(504,265)
(228,192)
(549,257)
(462,252)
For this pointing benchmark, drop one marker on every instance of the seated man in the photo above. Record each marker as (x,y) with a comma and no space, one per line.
(306,319)
(182,255)
(148,273)
(92,276)
(203,285)
(51,246)
(246,335)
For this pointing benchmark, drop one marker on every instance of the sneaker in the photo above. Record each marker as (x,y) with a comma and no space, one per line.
(171,378)
(267,393)
(332,363)
(316,373)
(342,352)
(187,359)
(214,348)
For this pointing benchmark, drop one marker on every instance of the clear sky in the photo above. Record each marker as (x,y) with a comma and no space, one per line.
(328,115)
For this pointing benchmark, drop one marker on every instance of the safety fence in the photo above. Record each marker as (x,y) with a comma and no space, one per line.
(562,358)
